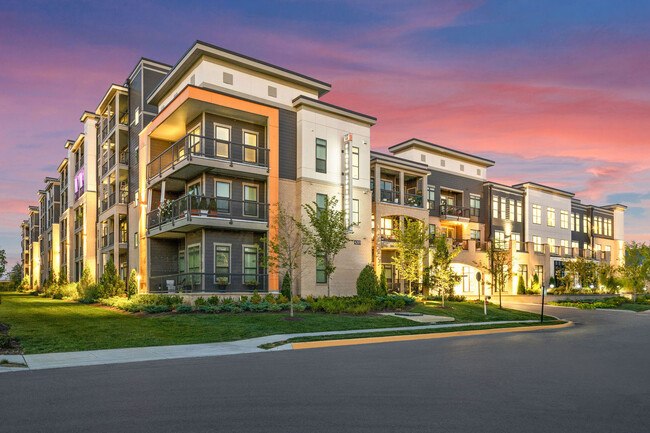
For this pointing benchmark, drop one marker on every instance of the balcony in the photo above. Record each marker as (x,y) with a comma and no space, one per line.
(79,193)
(192,212)
(124,118)
(108,240)
(124,158)
(388,196)
(194,154)
(198,282)
(453,213)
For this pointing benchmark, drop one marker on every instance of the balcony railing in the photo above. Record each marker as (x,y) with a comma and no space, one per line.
(124,117)
(195,206)
(197,146)
(414,200)
(78,193)
(78,223)
(457,211)
(124,158)
(194,282)
(111,122)
(108,240)
(389,196)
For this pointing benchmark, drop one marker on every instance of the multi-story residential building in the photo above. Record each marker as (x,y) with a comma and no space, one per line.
(178,171)
(49,210)
(24,246)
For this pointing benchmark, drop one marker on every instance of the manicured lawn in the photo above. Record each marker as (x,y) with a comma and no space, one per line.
(466,312)
(46,325)
(405,332)
(634,307)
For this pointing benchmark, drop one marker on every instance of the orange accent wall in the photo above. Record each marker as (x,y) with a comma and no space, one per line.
(273,143)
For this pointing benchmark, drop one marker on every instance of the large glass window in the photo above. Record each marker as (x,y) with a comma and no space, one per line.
(321,155)
(495,206)
(181,261)
(500,240)
(431,196)
(321,278)
(194,263)
(516,239)
(386,227)
(511,207)
(550,217)
(320,201)
(537,214)
(356,220)
(474,205)
(222,192)
(193,141)
(537,244)
(250,148)
(519,211)
(355,163)
(194,189)
(504,209)
(250,263)
(222,141)
(539,271)
(250,200)
(564,219)
(222,262)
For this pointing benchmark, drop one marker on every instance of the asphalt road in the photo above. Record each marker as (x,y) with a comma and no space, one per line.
(593,377)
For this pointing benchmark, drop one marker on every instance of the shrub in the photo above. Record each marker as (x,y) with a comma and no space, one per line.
(199,302)
(521,286)
(109,278)
(383,284)
(269,298)
(296,299)
(5,341)
(367,284)
(282,299)
(183,309)
(256,298)
(132,288)
(226,301)
(89,294)
(153,309)
(213,300)
(67,291)
(286,286)
(275,307)
(243,298)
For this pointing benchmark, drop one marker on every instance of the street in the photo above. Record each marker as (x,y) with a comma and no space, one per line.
(591,377)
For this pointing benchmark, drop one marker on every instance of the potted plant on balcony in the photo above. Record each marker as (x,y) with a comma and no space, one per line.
(222,283)
(165,209)
(251,283)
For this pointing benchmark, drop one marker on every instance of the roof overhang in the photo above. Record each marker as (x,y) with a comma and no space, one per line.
(63,164)
(87,115)
(164,67)
(305,101)
(503,187)
(200,49)
(436,148)
(615,206)
(547,189)
(112,91)
(398,163)
(77,142)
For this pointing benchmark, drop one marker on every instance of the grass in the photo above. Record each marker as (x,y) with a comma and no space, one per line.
(615,303)
(44,325)
(634,307)
(467,312)
(404,332)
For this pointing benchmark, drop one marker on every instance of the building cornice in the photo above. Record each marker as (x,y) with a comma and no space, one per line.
(436,148)
(333,109)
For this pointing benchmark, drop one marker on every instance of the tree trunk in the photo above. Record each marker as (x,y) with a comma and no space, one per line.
(328,286)
(442,293)
(290,293)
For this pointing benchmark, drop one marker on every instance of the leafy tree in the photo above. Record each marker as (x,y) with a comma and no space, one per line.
(426,281)
(499,267)
(535,285)
(325,235)
(63,277)
(16,276)
(521,285)
(383,284)
(283,251)
(367,284)
(3,262)
(442,276)
(410,242)
(636,271)
(579,270)
(286,286)
(86,279)
(132,288)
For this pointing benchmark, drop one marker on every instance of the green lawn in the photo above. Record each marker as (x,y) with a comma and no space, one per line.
(634,307)
(466,312)
(45,325)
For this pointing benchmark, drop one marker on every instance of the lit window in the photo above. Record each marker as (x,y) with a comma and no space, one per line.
(495,206)
(511,204)
(537,214)
(516,239)
(564,219)
(550,216)
(573,222)
(519,212)
(386,227)
(537,241)
(500,240)
(575,245)
(504,209)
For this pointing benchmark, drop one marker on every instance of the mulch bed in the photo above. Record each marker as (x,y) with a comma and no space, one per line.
(15,348)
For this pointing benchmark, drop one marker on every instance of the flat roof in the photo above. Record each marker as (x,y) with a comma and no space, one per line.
(416,142)
(335,109)
(503,186)
(543,188)
(200,48)
(407,163)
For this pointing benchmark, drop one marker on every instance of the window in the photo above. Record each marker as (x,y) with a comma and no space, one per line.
(573,222)
(181,261)
(608,248)
(194,189)
(321,200)
(250,264)
(504,209)
(565,246)
(321,156)
(136,239)
(222,192)
(250,200)
(227,78)
(431,196)
(551,244)
(537,243)
(516,239)
(564,219)
(250,147)
(273,92)
(355,212)
(550,217)
(511,204)
(539,271)
(222,141)
(194,260)
(221,262)
(585,224)
(386,227)
(495,206)
(474,205)
(586,246)
(136,116)
(519,211)
(575,245)
(321,278)
(355,163)
(500,240)
(599,247)
(537,214)
(474,234)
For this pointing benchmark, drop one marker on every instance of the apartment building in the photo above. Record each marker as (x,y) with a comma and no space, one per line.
(24,248)
(178,170)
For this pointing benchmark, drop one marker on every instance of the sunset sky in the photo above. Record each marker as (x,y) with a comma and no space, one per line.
(556,92)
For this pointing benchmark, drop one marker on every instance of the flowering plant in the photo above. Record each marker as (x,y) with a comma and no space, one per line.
(165,208)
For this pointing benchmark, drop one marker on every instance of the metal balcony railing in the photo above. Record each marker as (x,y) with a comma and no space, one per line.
(457,211)
(388,196)
(194,206)
(414,200)
(198,146)
(194,282)
(124,117)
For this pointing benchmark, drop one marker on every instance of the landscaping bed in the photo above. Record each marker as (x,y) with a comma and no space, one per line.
(615,302)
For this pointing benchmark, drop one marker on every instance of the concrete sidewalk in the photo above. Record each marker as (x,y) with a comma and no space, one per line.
(156,353)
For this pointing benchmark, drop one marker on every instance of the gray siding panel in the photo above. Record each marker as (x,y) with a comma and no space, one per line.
(288,144)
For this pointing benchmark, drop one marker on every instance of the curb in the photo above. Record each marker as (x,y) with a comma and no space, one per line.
(394,338)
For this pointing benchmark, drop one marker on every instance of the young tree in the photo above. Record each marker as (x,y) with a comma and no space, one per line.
(410,241)
(636,271)
(499,267)
(16,276)
(367,284)
(109,278)
(3,262)
(325,235)
(521,285)
(383,284)
(283,251)
(441,276)
(579,270)
(132,288)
